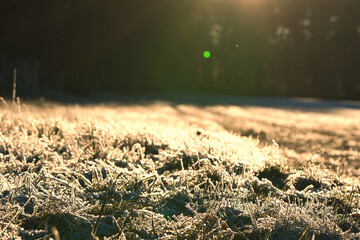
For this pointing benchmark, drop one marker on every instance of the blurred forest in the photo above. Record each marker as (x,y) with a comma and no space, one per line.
(259,47)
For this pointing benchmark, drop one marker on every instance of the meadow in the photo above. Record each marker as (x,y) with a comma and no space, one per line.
(165,170)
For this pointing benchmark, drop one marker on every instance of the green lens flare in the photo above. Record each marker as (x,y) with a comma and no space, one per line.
(207,54)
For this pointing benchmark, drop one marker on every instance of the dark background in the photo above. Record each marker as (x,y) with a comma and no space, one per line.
(308,48)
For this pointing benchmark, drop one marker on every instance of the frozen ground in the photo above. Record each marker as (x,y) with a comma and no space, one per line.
(180,167)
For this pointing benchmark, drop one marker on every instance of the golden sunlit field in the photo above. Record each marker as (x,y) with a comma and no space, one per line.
(165,170)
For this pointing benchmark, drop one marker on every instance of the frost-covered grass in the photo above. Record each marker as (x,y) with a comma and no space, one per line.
(162,171)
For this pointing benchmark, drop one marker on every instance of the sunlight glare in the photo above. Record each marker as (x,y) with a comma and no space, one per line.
(254,5)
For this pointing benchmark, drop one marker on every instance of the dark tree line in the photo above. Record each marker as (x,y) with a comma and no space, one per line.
(263,47)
